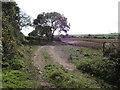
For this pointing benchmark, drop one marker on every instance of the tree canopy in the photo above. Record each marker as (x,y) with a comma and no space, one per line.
(48,23)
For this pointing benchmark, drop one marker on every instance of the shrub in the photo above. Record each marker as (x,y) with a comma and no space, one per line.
(102,68)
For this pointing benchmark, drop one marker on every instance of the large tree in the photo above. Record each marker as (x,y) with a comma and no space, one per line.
(48,23)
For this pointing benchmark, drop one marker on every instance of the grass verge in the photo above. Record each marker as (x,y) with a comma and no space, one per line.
(61,78)
(93,63)
(19,71)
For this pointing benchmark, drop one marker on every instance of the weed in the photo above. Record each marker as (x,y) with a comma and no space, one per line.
(100,67)
(14,79)
(46,55)
(92,62)
(64,79)
(18,72)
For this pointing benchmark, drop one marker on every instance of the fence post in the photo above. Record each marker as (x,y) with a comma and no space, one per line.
(104,48)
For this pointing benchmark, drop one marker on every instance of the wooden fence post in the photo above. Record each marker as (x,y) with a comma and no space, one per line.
(104,48)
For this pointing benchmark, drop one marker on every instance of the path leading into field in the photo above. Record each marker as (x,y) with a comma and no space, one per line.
(55,55)
(39,61)
(58,56)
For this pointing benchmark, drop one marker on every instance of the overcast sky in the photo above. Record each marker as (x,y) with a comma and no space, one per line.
(85,16)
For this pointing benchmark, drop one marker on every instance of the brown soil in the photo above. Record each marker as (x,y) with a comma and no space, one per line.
(88,42)
(56,55)
(39,61)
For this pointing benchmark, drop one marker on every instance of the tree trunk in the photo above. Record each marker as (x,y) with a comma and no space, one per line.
(52,36)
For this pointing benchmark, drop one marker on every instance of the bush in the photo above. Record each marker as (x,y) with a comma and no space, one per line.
(102,68)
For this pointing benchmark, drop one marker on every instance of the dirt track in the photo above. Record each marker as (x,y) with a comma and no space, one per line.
(61,60)
(55,55)
(58,56)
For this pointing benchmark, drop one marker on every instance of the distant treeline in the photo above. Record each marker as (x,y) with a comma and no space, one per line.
(99,36)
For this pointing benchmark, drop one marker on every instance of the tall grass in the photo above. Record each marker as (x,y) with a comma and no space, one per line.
(97,65)
(64,79)
(18,72)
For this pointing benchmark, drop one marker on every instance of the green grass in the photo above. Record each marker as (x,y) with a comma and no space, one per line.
(61,78)
(15,79)
(46,55)
(105,36)
(101,68)
(89,62)
(19,71)
(93,63)
(0,42)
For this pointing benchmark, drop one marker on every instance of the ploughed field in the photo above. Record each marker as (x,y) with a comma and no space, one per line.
(87,42)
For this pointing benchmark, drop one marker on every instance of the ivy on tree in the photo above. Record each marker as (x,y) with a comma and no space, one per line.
(13,20)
